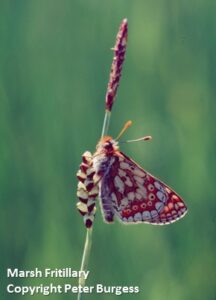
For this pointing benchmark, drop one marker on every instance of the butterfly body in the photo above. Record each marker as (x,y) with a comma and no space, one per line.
(129,193)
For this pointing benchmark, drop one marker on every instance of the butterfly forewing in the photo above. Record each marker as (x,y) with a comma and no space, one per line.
(134,196)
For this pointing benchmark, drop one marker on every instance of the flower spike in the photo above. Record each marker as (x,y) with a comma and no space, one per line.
(116,68)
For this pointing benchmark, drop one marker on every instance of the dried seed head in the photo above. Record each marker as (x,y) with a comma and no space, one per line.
(116,68)
(87,190)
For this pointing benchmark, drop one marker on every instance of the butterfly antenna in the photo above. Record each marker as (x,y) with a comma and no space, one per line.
(144,138)
(127,124)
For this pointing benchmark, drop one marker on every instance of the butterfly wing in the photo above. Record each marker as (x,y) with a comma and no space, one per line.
(133,195)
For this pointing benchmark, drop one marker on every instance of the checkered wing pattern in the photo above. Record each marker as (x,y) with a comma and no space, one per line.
(132,195)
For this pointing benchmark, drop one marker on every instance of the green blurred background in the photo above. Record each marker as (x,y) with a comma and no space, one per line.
(54,65)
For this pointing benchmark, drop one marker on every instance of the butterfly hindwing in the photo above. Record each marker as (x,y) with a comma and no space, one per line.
(135,196)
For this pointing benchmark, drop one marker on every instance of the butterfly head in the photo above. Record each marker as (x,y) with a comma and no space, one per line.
(107,145)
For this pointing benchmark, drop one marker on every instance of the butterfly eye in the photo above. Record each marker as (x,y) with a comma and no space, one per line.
(108,146)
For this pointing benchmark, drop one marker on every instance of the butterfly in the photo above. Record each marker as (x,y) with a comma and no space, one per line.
(126,191)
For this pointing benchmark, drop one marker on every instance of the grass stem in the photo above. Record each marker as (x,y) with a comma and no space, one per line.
(88,241)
